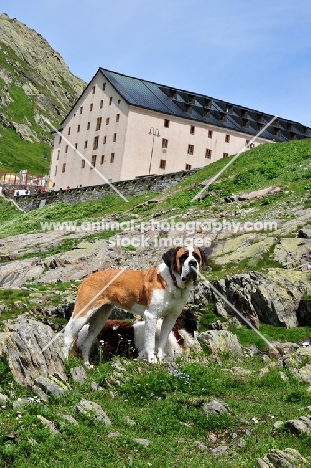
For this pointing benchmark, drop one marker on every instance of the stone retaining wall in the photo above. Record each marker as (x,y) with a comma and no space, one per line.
(137,186)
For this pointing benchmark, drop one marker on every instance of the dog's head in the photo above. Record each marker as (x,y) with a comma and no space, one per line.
(187,321)
(185,261)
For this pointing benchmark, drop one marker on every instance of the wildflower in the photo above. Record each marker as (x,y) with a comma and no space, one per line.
(255,420)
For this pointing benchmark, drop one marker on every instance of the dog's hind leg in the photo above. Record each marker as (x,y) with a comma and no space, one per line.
(71,331)
(96,324)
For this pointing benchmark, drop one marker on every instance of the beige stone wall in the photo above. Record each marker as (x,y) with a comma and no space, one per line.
(134,144)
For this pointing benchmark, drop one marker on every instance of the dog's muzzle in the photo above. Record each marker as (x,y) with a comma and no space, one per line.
(192,272)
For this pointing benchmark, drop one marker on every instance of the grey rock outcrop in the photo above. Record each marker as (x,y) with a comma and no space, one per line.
(220,341)
(92,409)
(31,351)
(299,363)
(215,407)
(287,458)
(272,298)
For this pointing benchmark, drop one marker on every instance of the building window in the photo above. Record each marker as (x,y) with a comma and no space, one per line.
(93,90)
(83,163)
(94,160)
(112,158)
(192,129)
(166,123)
(91,107)
(208,153)
(104,140)
(58,154)
(227,138)
(117,117)
(210,134)
(64,167)
(119,101)
(81,109)
(88,125)
(55,171)
(114,137)
(98,123)
(104,86)
(66,149)
(164,143)
(101,104)
(60,139)
(225,155)
(76,145)
(188,167)
(102,159)
(162,164)
(95,143)
(190,149)
(69,129)
(85,144)
(107,121)
(110,101)
(78,128)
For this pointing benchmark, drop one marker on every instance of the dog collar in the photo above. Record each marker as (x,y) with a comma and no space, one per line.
(174,279)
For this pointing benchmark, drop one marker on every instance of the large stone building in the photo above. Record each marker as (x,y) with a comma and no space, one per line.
(128,127)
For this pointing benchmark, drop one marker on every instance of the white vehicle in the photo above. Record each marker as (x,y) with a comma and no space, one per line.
(18,193)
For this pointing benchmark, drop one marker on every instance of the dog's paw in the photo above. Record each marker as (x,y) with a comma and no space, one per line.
(87,365)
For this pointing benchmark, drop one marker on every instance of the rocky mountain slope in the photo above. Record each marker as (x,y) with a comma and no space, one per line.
(35,82)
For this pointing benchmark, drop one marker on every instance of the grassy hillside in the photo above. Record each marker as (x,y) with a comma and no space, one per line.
(157,412)
(287,165)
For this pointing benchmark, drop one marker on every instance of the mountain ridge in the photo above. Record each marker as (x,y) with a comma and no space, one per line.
(35,83)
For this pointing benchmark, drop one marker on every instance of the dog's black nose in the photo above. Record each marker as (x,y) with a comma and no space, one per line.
(193,263)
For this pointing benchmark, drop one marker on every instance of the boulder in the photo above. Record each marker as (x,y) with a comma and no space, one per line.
(299,363)
(31,351)
(92,409)
(220,341)
(287,458)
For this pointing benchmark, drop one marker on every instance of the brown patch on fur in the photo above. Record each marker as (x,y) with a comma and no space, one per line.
(129,288)
(181,251)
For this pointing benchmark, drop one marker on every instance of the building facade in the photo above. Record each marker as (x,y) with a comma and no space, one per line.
(123,127)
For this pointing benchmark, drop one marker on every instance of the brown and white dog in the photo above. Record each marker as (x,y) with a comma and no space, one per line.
(159,292)
(121,338)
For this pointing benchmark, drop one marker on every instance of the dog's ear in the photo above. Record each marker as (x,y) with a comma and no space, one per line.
(169,258)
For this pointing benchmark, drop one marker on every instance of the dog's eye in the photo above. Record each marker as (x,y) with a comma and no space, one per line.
(197,257)
(183,257)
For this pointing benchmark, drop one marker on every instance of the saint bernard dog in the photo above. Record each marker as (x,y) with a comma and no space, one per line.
(160,292)
(121,338)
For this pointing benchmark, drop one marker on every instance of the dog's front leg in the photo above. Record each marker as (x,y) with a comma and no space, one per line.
(150,331)
(167,325)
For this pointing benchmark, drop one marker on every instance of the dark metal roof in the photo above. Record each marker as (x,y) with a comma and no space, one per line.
(205,109)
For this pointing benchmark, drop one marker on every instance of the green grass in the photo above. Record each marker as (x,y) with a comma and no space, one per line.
(167,409)
(19,223)
(248,337)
